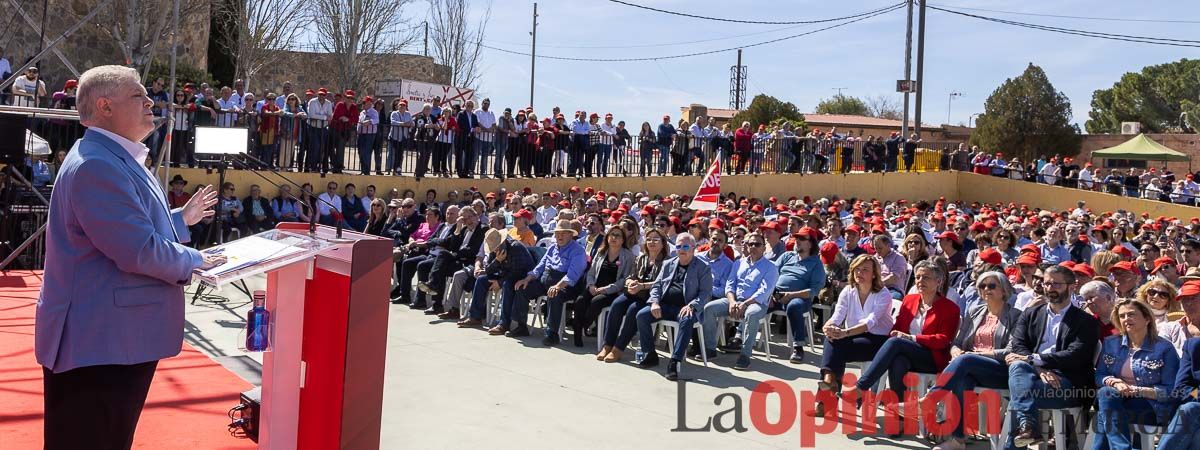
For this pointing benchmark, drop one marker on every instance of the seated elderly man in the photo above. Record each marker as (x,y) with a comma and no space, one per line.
(680,292)
(751,283)
(1098,299)
(557,276)
(459,250)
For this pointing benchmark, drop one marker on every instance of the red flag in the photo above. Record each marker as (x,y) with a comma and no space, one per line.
(709,193)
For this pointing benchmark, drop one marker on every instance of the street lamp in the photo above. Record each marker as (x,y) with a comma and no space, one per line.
(971,119)
(952,95)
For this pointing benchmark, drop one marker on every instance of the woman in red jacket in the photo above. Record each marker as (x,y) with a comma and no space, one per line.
(921,339)
(743,144)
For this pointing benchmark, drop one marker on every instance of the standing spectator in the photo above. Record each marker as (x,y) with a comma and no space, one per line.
(621,145)
(910,151)
(284,92)
(743,144)
(759,150)
(319,111)
(608,134)
(589,156)
(385,121)
(182,113)
(259,216)
(345,120)
(666,137)
(448,129)
(424,133)
(269,131)
(291,122)
(227,109)
(28,90)
(399,135)
(892,156)
(647,142)
(697,139)
(63,133)
(506,154)
(161,102)
(1050,172)
(465,126)
(368,125)
(239,94)
(485,139)
(580,144)
(5,72)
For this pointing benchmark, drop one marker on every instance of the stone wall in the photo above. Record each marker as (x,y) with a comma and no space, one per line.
(310,70)
(90,46)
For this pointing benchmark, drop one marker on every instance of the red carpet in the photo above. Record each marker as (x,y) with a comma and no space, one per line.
(186,409)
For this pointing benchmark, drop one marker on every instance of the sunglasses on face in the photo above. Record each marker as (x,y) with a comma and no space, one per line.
(1158,293)
(754,244)
(988,286)
(683,247)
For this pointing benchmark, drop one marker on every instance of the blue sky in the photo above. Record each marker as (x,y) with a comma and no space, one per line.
(865,58)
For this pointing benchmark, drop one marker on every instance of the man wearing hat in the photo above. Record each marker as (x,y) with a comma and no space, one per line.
(28,90)
(558,276)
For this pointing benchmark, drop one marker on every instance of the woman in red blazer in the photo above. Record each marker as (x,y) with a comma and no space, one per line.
(920,342)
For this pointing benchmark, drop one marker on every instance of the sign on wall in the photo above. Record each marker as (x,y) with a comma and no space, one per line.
(417,92)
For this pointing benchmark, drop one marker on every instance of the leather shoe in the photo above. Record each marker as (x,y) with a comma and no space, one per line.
(420,304)
(433,311)
(521,331)
(614,355)
(452,314)
(1025,435)
(496,330)
(672,370)
(797,355)
(733,346)
(604,352)
(550,340)
(470,323)
(650,360)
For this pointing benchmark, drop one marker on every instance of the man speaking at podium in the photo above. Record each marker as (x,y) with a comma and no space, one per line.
(112,300)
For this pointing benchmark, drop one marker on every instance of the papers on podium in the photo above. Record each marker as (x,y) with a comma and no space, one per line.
(247,252)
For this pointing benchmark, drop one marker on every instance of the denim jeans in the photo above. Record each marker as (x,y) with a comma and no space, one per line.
(395,155)
(897,357)
(539,287)
(622,321)
(1029,394)
(366,144)
(1184,431)
(603,153)
(968,372)
(646,321)
(483,149)
(796,309)
(1115,415)
(664,155)
(756,160)
(479,295)
(698,154)
(748,329)
(501,146)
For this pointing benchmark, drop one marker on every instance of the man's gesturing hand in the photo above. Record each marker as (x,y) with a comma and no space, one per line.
(199,207)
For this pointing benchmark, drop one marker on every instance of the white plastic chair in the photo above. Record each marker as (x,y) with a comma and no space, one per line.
(790,341)
(672,327)
(763,331)
(537,313)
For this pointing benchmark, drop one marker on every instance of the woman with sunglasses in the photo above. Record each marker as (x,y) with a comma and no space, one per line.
(621,325)
(977,355)
(1136,371)
(1159,296)
(914,249)
(377,218)
(609,269)
(183,110)
(1005,242)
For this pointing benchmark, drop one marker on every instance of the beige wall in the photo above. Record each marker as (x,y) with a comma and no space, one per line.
(959,186)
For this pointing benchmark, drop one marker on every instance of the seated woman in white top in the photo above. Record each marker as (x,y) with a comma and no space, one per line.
(861,322)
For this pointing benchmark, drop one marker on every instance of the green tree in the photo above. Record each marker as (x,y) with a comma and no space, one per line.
(1025,117)
(841,104)
(1155,97)
(768,110)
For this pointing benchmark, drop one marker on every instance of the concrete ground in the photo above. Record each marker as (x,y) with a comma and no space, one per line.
(451,388)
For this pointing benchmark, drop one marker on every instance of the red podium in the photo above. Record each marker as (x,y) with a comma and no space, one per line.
(322,380)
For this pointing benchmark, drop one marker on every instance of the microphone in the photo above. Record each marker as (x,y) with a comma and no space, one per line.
(312,220)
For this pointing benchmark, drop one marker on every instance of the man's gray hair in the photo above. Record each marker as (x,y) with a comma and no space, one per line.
(101,81)
(1098,289)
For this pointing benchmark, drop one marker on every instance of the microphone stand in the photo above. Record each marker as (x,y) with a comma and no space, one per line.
(312,224)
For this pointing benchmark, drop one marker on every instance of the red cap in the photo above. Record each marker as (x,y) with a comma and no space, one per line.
(574,189)
(1084,270)
(806,232)
(991,256)
(949,235)
(716,223)
(322,91)
(1031,248)
(588,190)
(309,92)
(615,216)
(1028,259)
(70,84)
(1189,288)
(564,204)
(853,228)
(1126,266)
(350,93)
(977,227)
(829,251)
(1160,263)
(1123,251)
(771,225)
(523,214)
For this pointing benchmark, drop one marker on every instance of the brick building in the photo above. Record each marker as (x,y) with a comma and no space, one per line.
(855,125)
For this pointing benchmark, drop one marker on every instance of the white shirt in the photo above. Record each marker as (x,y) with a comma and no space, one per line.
(25,85)
(1085,178)
(137,150)
(5,66)
(366,202)
(318,110)
(918,322)
(1050,333)
(238,99)
(335,200)
(1050,173)
(227,119)
(546,214)
(876,312)
(486,119)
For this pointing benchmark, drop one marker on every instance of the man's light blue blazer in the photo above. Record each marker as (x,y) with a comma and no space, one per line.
(115,269)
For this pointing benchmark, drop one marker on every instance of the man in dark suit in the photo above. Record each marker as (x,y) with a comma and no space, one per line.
(406,222)
(419,255)
(458,251)
(258,218)
(1051,362)
(464,157)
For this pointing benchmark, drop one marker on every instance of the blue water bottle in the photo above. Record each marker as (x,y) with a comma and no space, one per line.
(258,323)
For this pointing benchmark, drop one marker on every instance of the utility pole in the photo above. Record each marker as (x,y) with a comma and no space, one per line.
(533,55)
(426,38)
(839,89)
(920,65)
(952,95)
(907,69)
(737,84)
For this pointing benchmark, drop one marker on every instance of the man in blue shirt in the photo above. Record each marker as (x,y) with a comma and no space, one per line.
(801,276)
(717,261)
(1053,251)
(580,141)
(666,135)
(557,276)
(747,292)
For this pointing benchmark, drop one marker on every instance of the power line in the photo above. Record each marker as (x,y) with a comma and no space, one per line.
(1061,16)
(687,55)
(664,44)
(1085,33)
(757,22)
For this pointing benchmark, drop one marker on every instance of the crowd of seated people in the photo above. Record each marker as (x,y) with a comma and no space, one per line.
(1099,310)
